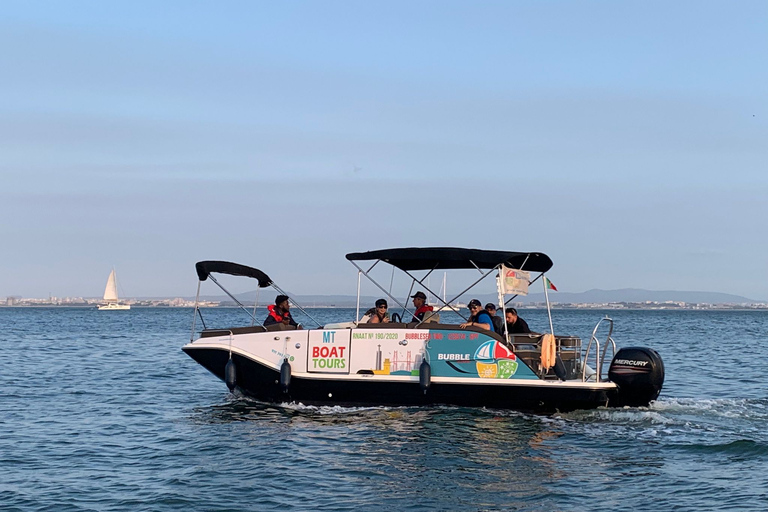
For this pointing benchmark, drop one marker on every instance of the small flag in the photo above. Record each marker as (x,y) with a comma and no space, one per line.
(513,281)
(548,284)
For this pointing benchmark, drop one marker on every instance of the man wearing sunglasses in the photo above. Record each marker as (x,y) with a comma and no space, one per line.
(480,317)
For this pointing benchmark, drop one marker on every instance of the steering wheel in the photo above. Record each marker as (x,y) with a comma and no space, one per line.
(396,318)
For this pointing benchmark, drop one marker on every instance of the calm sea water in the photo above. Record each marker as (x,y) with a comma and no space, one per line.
(102,411)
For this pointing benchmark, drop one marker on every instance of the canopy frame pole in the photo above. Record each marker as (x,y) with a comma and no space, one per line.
(255,305)
(465,289)
(357,309)
(447,304)
(500,289)
(378,285)
(549,310)
(421,282)
(194,315)
(503,302)
(296,304)
(407,296)
(231,296)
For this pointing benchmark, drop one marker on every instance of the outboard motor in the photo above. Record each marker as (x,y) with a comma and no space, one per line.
(639,373)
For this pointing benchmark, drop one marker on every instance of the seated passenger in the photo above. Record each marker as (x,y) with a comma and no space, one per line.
(498,323)
(279,313)
(378,315)
(480,317)
(515,324)
(419,302)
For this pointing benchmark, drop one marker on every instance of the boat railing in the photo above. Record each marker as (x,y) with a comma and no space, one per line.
(599,357)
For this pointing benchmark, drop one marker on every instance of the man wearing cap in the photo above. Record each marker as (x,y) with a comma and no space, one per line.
(480,317)
(419,302)
(498,323)
(279,312)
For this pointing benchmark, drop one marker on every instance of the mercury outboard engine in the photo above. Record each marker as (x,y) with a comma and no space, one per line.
(639,373)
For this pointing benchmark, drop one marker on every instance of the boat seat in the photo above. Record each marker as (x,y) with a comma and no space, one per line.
(529,338)
(280,327)
(390,325)
(340,325)
(214,333)
(527,347)
(434,318)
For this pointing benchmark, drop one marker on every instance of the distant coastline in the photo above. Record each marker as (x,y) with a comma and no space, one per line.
(627,298)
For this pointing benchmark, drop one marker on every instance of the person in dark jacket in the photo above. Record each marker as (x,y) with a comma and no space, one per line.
(480,317)
(498,323)
(279,313)
(515,324)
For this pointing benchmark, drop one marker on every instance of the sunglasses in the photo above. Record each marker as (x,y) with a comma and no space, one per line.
(382,307)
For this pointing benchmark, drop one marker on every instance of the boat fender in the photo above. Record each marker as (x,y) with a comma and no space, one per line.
(230,375)
(285,375)
(425,376)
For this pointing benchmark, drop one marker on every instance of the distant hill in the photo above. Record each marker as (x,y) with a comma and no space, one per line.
(589,297)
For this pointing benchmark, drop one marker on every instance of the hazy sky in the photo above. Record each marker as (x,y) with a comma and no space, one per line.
(627,140)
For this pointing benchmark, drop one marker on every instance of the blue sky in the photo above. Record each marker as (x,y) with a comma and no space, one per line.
(627,140)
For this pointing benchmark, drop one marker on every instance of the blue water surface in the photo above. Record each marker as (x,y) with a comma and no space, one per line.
(102,411)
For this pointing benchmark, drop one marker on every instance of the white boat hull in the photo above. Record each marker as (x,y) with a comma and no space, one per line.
(114,307)
(383,367)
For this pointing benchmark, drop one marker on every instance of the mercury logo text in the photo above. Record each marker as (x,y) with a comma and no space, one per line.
(631,362)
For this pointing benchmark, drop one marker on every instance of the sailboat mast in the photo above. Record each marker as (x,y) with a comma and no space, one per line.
(444,275)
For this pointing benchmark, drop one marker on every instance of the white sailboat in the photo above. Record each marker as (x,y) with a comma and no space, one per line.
(110,295)
(442,305)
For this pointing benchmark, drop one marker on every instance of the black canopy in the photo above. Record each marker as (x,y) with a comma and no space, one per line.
(204,268)
(428,258)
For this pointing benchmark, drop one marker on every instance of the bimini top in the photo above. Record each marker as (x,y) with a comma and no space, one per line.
(205,268)
(429,258)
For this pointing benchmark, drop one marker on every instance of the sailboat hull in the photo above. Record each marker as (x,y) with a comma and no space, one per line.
(114,307)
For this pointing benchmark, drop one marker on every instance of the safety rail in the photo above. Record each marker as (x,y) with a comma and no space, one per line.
(599,358)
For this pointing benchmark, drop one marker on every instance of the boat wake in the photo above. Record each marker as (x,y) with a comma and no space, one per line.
(327,409)
(736,408)
(740,448)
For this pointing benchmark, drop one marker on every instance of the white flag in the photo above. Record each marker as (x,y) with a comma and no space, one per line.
(514,281)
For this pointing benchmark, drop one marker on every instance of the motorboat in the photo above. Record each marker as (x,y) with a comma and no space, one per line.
(423,362)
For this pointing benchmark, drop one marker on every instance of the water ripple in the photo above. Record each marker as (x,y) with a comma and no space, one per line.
(106,413)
